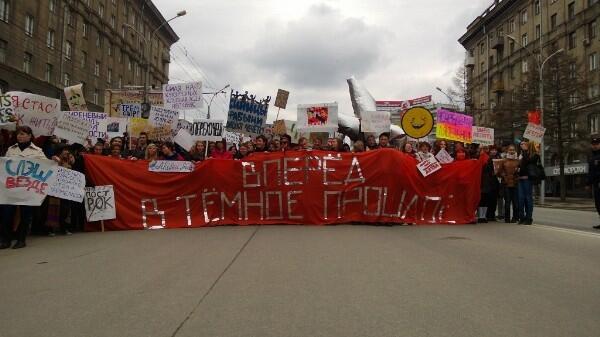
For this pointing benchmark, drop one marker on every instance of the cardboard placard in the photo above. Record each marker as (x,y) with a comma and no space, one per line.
(321,117)
(534,132)
(69,184)
(376,122)
(444,157)
(73,129)
(95,118)
(100,203)
(170,166)
(282,98)
(25,181)
(429,166)
(207,129)
(483,136)
(183,96)
(75,98)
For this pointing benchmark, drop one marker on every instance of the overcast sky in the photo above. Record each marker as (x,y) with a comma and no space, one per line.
(397,49)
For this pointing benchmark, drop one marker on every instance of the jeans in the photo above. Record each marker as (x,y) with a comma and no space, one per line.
(525,200)
(8,213)
(511,198)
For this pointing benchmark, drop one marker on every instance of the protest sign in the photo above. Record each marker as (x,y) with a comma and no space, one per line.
(444,157)
(372,186)
(429,166)
(284,126)
(184,139)
(100,203)
(376,122)
(7,117)
(246,116)
(417,122)
(75,98)
(207,129)
(41,113)
(454,126)
(182,124)
(161,116)
(130,110)
(25,181)
(483,136)
(534,132)
(497,165)
(183,96)
(113,126)
(94,118)
(69,184)
(231,137)
(318,117)
(72,128)
(160,133)
(170,166)
(282,98)
(138,125)
(113,98)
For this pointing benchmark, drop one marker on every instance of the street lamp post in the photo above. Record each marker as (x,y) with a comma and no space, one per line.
(146,51)
(540,66)
(214,94)
(449,97)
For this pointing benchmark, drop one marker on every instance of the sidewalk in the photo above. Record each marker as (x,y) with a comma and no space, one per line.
(580,204)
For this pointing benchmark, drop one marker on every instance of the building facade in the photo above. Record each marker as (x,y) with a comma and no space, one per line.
(46,45)
(499,47)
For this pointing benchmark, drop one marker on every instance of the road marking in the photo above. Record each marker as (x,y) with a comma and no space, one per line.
(568,230)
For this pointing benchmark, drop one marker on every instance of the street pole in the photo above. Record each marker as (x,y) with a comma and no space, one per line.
(449,98)
(222,91)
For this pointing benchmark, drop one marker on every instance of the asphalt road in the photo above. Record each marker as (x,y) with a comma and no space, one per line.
(475,280)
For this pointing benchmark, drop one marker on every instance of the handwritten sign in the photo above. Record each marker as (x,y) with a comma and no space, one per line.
(184,139)
(113,126)
(25,181)
(42,124)
(7,115)
(284,126)
(161,116)
(72,128)
(282,98)
(94,118)
(170,166)
(318,117)
(182,124)
(246,116)
(23,102)
(534,132)
(161,133)
(444,157)
(232,137)
(137,125)
(130,110)
(429,166)
(183,96)
(207,129)
(75,98)
(454,126)
(69,184)
(483,136)
(376,122)
(100,203)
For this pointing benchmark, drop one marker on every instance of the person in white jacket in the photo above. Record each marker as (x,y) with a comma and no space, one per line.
(23,148)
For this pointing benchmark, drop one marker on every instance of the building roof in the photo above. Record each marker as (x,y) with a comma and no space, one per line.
(170,33)
(492,12)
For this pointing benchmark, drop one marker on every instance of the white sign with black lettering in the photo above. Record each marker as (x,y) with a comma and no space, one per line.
(100,203)
(69,184)
(207,129)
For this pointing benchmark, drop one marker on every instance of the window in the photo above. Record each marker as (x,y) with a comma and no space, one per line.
(120,56)
(83,59)
(109,76)
(573,129)
(572,40)
(593,60)
(537,7)
(123,32)
(4,10)
(109,49)
(524,68)
(97,68)
(571,11)
(511,25)
(593,29)
(592,2)
(69,18)
(524,17)
(137,70)
(50,39)
(129,64)
(524,40)
(99,40)
(29,25)
(113,21)
(27,63)
(572,70)
(66,79)
(3,51)
(482,69)
(511,45)
(68,49)
(538,31)
(120,84)
(593,91)
(553,22)
(95,96)
(482,48)
(101,10)
(85,30)
(52,5)
(573,98)
(513,72)
(594,123)
(48,75)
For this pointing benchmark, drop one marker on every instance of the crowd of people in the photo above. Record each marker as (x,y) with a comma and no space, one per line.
(507,179)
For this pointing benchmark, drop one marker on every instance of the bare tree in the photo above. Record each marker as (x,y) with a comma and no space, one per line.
(459,91)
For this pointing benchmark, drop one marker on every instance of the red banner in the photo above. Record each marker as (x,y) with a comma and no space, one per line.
(308,187)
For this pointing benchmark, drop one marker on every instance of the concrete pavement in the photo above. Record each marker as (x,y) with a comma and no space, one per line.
(474,280)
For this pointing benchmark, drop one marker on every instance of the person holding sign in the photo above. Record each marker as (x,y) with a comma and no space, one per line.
(508,171)
(527,177)
(23,148)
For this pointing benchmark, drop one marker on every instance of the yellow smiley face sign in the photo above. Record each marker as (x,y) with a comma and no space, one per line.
(417,122)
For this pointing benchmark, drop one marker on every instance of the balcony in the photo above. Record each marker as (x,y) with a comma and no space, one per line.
(497,86)
(498,42)
(470,61)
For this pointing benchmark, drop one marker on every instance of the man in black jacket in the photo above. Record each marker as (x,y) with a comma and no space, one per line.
(593,179)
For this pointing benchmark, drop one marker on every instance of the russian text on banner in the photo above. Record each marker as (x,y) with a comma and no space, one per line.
(207,129)
(183,96)
(25,181)
(453,126)
(73,129)
(69,184)
(246,115)
(483,136)
(96,118)
(100,203)
(534,132)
